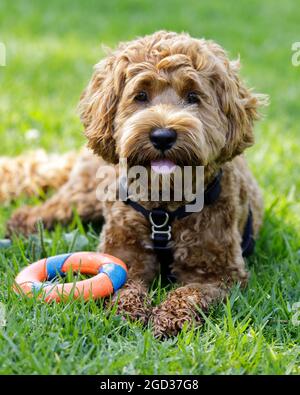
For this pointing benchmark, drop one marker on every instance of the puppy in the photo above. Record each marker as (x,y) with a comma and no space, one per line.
(166,99)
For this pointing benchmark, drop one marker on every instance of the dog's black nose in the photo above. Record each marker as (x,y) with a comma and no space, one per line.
(163,139)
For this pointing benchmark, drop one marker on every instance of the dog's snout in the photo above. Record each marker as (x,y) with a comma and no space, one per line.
(163,139)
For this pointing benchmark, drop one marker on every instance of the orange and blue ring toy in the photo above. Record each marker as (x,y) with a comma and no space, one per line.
(109,274)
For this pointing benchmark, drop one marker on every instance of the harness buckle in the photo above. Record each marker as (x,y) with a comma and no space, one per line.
(157,228)
(161,232)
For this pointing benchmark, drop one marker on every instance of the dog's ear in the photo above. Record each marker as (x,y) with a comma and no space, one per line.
(238,104)
(98,106)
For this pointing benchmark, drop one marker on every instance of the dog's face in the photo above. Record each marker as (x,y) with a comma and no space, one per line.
(168,99)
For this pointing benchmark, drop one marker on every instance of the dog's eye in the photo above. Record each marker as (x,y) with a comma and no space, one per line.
(192,98)
(141,96)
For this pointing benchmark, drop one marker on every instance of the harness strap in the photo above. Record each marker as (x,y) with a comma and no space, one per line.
(211,194)
(161,229)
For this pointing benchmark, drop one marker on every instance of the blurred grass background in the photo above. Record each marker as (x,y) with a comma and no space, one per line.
(51,48)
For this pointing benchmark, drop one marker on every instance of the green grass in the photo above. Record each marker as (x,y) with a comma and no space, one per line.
(51,47)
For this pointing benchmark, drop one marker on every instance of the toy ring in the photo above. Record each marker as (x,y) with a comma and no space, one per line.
(109,274)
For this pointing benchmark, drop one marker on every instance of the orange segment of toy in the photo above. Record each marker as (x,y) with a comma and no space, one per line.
(89,262)
(93,288)
(35,272)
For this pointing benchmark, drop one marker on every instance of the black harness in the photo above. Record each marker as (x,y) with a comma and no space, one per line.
(161,227)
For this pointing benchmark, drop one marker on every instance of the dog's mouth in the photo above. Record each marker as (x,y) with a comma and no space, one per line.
(163,166)
(163,163)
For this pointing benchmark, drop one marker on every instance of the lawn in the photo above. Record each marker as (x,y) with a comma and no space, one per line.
(51,47)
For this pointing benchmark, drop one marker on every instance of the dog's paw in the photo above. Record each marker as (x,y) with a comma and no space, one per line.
(22,222)
(179,309)
(132,302)
(167,323)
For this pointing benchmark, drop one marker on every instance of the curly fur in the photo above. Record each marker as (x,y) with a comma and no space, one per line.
(214,133)
(33,173)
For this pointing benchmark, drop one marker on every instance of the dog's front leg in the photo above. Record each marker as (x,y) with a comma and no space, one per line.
(132,301)
(182,306)
(206,267)
(203,285)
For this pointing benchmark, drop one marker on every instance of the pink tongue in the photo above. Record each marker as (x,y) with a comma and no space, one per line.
(163,166)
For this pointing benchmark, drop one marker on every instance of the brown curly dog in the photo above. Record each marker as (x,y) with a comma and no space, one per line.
(164,98)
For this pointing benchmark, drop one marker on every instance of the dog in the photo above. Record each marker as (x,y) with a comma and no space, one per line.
(162,99)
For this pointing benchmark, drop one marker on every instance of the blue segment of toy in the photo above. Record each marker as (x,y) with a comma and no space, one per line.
(116,274)
(54,265)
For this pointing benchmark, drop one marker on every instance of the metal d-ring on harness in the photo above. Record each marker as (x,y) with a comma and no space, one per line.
(161,227)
